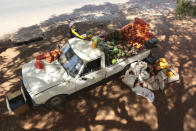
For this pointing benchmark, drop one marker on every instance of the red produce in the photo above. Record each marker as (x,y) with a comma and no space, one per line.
(39,65)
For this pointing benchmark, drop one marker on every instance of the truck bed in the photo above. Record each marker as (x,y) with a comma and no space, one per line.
(122,63)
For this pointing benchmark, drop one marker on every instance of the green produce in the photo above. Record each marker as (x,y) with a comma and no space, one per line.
(101,48)
(123,54)
(98,40)
(120,51)
(114,61)
(112,43)
(116,50)
(95,39)
(113,52)
(119,55)
(108,42)
(88,33)
(111,47)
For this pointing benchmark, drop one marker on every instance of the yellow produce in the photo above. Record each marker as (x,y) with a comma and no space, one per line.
(163,60)
(137,45)
(170,74)
(78,35)
(162,64)
(90,36)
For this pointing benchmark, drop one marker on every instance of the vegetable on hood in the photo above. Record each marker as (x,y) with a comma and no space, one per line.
(49,57)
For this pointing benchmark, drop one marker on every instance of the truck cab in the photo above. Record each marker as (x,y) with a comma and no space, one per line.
(82,63)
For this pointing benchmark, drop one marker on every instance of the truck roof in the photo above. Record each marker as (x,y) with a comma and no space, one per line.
(83,48)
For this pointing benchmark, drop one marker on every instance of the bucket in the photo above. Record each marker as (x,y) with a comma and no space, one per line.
(94,44)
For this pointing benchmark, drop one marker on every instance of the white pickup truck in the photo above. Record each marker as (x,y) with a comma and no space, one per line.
(78,66)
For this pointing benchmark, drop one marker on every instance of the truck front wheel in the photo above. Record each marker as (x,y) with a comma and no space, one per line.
(55,101)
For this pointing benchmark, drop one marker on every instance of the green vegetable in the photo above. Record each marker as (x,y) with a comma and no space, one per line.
(108,42)
(98,40)
(123,54)
(88,33)
(95,39)
(101,48)
(119,55)
(112,43)
(111,47)
(114,61)
(116,50)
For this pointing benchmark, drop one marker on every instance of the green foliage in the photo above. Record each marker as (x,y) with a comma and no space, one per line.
(185,8)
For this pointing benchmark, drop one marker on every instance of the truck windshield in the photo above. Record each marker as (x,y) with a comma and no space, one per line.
(70,61)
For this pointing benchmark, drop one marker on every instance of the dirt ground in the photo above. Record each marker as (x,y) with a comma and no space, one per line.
(110,105)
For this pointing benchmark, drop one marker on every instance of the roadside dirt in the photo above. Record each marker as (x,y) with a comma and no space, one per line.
(110,105)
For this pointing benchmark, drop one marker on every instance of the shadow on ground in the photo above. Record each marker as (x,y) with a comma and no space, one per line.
(110,105)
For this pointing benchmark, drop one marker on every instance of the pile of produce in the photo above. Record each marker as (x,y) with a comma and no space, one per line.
(128,41)
(162,64)
(137,33)
(49,56)
(111,50)
(158,65)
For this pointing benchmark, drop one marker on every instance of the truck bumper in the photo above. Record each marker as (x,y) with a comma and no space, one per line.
(19,101)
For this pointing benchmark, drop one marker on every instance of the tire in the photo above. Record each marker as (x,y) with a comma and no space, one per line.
(55,101)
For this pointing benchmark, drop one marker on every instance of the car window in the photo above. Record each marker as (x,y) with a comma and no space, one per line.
(92,66)
(70,61)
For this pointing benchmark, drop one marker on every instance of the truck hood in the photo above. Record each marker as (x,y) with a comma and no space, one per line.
(36,80)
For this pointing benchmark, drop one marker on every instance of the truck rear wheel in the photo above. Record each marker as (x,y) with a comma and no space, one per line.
(55,101)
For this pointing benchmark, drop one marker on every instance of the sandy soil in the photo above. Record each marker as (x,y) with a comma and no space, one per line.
(110,105)
(20,15)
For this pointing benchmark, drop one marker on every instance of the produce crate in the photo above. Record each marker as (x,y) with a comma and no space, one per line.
(16,103)
(173,78)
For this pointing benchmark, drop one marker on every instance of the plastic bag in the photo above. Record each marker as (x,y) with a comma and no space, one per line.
(139,66)
(129,78)
(149,95)
(151,83)
(155,83)
(139,69)
(144,75)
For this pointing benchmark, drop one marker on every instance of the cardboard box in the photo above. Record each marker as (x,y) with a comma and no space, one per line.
(175,77)
(16,103)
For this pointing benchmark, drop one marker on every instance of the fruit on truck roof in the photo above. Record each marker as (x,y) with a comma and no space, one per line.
(83,48)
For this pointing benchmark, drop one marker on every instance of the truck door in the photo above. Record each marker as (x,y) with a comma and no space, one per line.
(93,72)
